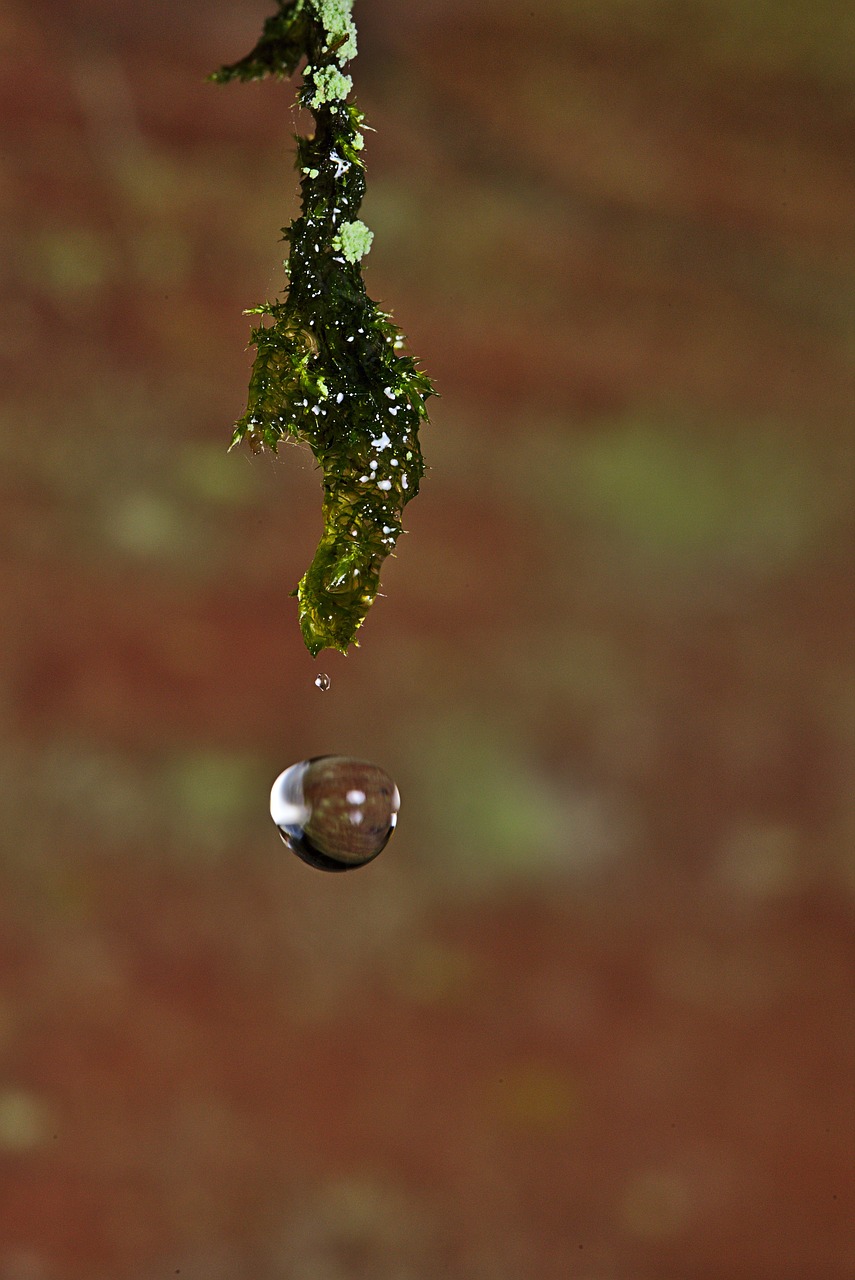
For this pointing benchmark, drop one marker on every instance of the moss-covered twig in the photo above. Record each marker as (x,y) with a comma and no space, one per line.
(328,368)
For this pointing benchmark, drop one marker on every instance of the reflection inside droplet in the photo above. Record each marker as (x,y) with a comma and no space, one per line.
(334,812)
(322,681)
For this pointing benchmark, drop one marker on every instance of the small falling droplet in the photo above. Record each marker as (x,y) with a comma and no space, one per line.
(322,681)
(314,806)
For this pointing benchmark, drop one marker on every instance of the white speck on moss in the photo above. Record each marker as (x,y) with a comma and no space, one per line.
(353,240)
(330,86)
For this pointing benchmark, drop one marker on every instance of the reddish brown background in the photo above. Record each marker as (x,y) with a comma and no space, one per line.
(589,1017)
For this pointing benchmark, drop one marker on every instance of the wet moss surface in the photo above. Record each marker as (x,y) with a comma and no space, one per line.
(329,369)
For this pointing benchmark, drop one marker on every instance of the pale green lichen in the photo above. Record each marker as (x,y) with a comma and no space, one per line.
(330,86)
(337,21)
(353,240)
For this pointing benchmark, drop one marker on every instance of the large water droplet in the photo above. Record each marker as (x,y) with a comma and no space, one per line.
(334,812)
(322,680)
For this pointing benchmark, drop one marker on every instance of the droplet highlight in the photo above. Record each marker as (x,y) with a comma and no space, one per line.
(334,812)
(322,681)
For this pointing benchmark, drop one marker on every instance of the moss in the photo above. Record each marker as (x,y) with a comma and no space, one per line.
(328,368)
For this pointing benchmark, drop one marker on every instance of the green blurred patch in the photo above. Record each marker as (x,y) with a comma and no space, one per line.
(797,37)
(213,794)
(147,524)
(155,182)
(193,800)
(25,1121)
(171,528)
(209,472)
(432,972)
(494,816)
(757,497)
(489,805)
(71,262)
(752,496)
(536,1095)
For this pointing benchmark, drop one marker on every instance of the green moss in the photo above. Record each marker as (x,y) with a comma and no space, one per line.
(328,369)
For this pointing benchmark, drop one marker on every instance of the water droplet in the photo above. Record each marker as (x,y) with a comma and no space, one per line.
(334,812)
(322,681)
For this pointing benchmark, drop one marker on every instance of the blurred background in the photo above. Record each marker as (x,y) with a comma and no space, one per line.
(589,1017)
